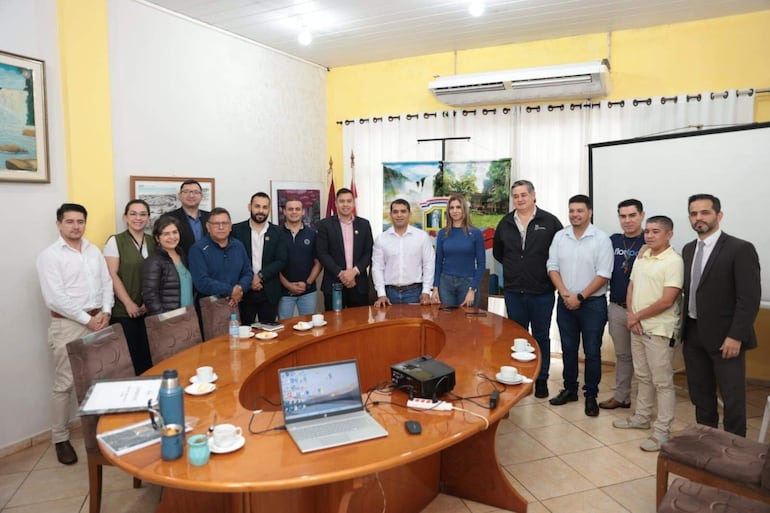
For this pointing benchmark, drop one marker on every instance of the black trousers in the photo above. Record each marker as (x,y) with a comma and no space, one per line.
(350,298)
(707,371)
(138,346)
(256,305)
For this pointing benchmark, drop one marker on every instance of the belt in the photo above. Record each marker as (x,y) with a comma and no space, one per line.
(620,304)
(402,288)
(89,312)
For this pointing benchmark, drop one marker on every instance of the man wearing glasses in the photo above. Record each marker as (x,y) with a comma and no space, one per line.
(219,263)
(192,220)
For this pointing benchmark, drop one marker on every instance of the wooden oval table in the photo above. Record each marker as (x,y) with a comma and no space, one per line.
(455,454)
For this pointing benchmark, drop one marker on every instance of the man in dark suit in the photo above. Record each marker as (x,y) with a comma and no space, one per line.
(267,253)
(722,292)
(344,246)
(192,220)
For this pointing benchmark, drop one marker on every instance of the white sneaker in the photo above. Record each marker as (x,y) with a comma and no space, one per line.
(652,444)
(631,423)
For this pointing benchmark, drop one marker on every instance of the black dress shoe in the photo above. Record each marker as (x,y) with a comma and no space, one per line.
(541,388)
(592,409)
(564,397)
(65,453)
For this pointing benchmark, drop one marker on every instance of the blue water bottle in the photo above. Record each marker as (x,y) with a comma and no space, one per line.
(337,297)
(171,403)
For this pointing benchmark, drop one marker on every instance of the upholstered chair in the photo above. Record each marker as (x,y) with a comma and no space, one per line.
(171,332)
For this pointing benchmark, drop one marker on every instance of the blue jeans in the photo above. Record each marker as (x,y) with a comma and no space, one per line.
(533,313)
(306,305)
(453,289)
(587,321)
(405,296)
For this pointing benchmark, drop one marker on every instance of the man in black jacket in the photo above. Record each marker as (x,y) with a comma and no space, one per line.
(521,243)
(192,220)
(267,252)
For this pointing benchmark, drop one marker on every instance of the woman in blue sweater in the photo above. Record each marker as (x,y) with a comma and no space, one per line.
(460,257)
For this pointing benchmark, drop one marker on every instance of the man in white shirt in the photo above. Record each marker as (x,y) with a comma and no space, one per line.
(580,262)
(403,261)
(77,289)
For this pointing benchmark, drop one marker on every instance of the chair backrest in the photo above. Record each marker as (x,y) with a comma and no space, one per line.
(103,354)
(215,313)
(171,332)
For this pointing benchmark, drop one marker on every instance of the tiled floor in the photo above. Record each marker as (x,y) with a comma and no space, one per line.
(556,457)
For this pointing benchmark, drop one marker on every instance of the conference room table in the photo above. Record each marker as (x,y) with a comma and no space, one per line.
(454,454)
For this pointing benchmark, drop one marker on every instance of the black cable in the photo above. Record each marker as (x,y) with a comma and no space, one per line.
(282,427)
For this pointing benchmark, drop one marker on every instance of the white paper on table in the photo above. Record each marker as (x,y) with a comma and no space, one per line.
(120,395)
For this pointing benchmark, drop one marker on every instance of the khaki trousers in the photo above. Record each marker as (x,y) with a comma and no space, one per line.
(60,332)
(653,359)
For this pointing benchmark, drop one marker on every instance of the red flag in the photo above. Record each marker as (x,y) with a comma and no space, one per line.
(353,180)
(331,209)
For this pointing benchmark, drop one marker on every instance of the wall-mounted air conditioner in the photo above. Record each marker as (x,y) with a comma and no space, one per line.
(567,81)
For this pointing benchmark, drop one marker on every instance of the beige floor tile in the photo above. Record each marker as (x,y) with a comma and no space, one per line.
(51,484)
(630,450)
(537,507)
(534,415)
(603,466)
(602,429)
(114,479)
(446,504)
(22,461)
(636,496)
(9,483)
(505,426)
(517,447)
(591,501)
(518,486)
(564,438)
(68,505)
(549,478)
(477,507)
(142,500)
(570,411)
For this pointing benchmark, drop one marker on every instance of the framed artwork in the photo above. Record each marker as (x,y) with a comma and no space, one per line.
(162,193)
(23,123)
(309,193)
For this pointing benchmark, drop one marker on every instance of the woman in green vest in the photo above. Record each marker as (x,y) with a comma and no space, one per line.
(125,253)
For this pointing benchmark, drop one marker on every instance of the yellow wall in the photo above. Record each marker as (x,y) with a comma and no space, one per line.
(716,54)
(85,79)
(710,55)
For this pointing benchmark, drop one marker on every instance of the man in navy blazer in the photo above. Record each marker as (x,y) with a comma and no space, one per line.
(267,254)
(344,246)
(722,291)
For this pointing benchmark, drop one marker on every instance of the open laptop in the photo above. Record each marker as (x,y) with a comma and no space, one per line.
(322,406)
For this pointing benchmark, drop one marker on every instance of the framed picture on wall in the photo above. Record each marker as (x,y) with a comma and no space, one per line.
(23,123)
(162,193)
(309,193)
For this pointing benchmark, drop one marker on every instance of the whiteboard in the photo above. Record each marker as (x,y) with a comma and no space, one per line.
(662,172)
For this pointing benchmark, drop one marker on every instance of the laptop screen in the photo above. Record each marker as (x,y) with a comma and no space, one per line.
(315,391)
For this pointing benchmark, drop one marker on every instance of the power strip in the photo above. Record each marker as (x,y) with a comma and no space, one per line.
(427,404)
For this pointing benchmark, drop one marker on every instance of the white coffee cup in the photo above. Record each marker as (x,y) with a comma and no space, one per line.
(521,344)
(244,331)
(318,319)
(205,374)
(509,373)
(226,435)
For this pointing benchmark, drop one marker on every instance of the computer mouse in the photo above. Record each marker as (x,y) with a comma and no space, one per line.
(413,427)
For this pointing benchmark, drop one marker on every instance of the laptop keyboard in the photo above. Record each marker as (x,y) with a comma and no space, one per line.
(331,428)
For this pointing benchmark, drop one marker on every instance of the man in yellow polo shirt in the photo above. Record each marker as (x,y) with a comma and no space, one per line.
(653,319)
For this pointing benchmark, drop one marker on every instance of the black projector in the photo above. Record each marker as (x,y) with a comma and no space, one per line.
(424,377)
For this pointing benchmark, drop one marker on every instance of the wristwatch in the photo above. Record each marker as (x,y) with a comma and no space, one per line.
(581,298)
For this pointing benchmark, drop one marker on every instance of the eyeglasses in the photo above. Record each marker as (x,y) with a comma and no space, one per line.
(220,224)
(138,214)
(191,192)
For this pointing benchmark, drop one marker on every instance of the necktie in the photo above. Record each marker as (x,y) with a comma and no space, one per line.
(697,270)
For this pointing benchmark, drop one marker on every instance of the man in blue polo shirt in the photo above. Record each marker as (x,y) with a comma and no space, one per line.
(218,263)
(302,267)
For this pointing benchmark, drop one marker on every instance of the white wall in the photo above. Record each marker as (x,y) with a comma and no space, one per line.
(191,101)
(28,27)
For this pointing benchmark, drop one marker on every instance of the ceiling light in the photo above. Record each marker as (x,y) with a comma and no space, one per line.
(305,37)
(476,8)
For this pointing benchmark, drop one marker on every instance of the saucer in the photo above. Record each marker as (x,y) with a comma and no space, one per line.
(200,388)
(523,356)
(300,328)
(239,442)
(528,349)
(516,381)
(266,335)
(194,379)
(320,325)
(249,335)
